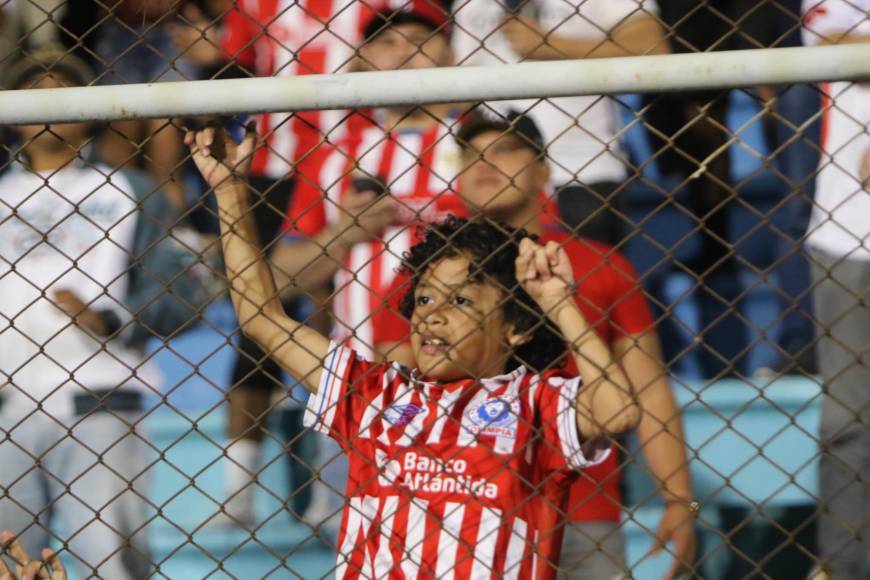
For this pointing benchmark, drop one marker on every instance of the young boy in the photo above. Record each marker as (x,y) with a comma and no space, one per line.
(338,234)
(446,459)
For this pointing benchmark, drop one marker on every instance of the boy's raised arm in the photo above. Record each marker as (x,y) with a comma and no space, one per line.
(297,348)
(606,404)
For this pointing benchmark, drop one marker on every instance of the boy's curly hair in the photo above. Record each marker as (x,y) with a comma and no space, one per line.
(492,249)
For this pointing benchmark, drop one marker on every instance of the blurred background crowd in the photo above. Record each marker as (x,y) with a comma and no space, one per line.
(722,203)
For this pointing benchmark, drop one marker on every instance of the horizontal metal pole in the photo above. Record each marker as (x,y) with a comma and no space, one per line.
(661,73)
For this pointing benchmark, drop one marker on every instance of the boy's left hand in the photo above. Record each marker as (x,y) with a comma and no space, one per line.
(545,272)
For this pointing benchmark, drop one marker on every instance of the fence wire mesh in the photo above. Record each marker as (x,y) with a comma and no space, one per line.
(703,266)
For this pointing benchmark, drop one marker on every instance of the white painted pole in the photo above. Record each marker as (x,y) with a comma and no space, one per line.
(412,87)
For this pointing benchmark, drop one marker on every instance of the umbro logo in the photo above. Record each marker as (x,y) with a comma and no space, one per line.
(403,414)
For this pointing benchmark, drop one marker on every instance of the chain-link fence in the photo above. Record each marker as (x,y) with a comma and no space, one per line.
(701,261)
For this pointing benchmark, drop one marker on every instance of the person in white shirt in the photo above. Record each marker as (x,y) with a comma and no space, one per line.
(839,243)
(581,133)
(71,390)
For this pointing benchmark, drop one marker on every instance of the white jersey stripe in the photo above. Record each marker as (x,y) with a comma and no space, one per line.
(359,311)
(406,164)
(414,538)
(403,398)
(444,409)
(448,542)
(505,444)
(384,557)
(360,514)
(320,411)
(569,435)
(373,410)
(532,393)
(484,548)
(467,432)
(516,550)
(535,557)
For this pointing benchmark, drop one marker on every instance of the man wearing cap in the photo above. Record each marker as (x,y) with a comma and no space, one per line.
(71,389)
(505,171)
(588,169)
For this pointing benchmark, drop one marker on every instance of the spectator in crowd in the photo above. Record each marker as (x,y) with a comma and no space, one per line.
(25,567)
(71,398)
(133,45)
(268,38)
(791,134)
(343,227)
(477,300)
(839,243)
(588,169)
(689,136)
(505,171)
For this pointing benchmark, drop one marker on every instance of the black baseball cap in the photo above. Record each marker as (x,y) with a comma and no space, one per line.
(513,122)
(430,14)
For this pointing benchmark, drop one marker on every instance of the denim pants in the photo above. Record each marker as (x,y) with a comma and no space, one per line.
(843,316)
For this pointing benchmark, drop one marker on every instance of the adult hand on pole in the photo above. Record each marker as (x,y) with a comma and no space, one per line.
(677,526)
(50,567)
(219,159)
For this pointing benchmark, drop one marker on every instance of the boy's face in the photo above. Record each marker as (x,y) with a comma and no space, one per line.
(406,46)
(458,326)
(55,136)
(500,175)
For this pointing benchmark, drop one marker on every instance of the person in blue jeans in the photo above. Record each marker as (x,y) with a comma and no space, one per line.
(793,140)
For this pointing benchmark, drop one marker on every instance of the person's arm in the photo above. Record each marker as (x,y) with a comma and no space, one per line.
(638,36)
(844,37)
(297,348)
(660,435)
(826,23)
(303,265)
(606,405)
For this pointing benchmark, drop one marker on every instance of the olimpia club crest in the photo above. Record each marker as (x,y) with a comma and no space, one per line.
(494,417)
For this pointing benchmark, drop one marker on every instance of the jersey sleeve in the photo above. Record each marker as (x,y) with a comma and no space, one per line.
(559,445)
(237,37)
(824,18)
(348,386)
(630,314)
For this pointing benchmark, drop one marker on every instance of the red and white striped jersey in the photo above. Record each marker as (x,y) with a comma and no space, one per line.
(286,38)
(419,167)
(445,479)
